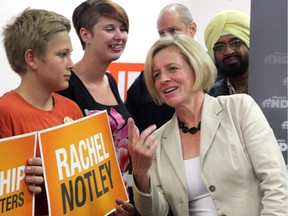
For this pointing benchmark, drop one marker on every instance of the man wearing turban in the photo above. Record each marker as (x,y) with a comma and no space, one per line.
(227,38)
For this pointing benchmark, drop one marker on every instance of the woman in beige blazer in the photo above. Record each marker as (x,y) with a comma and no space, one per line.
(216,156)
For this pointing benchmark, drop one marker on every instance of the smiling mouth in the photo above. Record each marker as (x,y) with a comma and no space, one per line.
(116,46)
(168,90)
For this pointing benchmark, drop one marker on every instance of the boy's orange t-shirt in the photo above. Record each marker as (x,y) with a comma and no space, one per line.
(17,117)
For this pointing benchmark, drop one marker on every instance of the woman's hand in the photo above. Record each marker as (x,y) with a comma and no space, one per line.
(124,209)
(142,148)
(34,174)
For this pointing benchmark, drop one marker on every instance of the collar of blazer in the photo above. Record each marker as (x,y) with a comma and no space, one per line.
(169,136)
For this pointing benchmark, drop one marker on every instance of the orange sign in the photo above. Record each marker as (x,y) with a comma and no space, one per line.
(15,199)
(82,175)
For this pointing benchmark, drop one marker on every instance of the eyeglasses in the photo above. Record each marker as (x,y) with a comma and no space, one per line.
(235,45)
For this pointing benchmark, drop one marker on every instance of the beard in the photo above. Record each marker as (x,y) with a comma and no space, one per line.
(233,70)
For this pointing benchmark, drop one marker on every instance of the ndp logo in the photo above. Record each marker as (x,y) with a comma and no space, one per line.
(125,74)
(275,102)
(283,145)
(276,58)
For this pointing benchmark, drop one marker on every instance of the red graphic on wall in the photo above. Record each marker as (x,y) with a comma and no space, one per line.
(127,68)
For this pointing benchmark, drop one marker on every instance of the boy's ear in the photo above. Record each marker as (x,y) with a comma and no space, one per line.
(30,59)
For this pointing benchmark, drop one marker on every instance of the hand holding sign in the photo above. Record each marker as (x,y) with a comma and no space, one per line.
(34,174)
(81,167)
(15,199)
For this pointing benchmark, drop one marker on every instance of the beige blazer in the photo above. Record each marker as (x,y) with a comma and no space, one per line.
(241,163)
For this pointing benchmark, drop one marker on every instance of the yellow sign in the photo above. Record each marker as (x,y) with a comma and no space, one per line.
(81,170)
(15,199)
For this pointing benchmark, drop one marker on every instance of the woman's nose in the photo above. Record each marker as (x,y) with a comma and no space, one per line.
(119,34)
(165,77)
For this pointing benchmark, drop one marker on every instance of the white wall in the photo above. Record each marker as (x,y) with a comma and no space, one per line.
(142,14)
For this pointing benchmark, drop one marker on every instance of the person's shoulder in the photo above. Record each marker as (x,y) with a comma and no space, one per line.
(218,83)
(219,88)
(236,101)
(11,102)
(8,98)
(65,102)
(4,105)
(235,97)
(62,99)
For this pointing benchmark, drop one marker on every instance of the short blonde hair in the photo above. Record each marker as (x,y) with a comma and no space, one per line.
(193,53)
(32,29)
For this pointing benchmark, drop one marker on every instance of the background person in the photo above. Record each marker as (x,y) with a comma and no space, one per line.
(174,18)
(227,38)
(38,48)
(216,156)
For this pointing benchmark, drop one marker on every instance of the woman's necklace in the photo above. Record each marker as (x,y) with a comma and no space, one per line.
(185,129)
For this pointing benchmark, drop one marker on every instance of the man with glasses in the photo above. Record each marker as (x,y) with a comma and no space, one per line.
(174,18)
(227,38)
